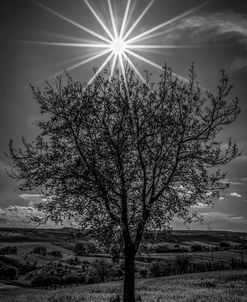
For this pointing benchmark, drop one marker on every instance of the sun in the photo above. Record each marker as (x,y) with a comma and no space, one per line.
(116,45)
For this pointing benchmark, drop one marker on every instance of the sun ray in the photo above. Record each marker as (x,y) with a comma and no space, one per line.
(138,20)
(113,66)
(161,33)
(143,59)
(87,45)
(121,65)
(169,22)
(118,45)
(182,46)
(124,75)
(102,53)
(99,20)
(112,19)
(67,37)
(66,62)
(124,19)
(88,55)
(154,64)
(100,68)
(71,21)
(134,68)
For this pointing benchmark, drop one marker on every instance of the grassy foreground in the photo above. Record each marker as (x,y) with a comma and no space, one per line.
(225,286)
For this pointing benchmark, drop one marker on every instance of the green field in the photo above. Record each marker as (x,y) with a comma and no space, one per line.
(227,286)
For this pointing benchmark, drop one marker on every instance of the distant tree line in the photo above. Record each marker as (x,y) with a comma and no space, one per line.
(8,250)
(42,250)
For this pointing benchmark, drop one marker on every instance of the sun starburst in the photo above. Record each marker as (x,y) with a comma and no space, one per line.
(116,44)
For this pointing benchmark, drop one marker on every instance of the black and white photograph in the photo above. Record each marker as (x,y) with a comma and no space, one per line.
(123,150)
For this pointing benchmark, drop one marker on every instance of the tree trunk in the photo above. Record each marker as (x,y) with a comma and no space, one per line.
(129,277)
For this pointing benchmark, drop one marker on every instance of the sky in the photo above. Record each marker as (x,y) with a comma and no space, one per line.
(211,34)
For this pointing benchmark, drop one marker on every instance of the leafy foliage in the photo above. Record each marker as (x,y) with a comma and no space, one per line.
(121,156)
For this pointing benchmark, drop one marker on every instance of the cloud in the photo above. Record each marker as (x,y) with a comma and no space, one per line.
(216,28)
(30,196)
(201,205)
(234,25)
(21,216)
(233,182)
(239,63)
(18,216)
(241,158)
(33,198)
(221,198)
(215,221)
(235,194)
(219,215)
(3,167)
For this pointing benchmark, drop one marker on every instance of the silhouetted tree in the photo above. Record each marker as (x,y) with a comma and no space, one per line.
(121,156)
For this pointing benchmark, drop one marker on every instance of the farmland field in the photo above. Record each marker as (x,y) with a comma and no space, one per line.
(63,265)
(227,286)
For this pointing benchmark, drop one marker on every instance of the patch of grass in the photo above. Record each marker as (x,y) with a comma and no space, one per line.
(225,286)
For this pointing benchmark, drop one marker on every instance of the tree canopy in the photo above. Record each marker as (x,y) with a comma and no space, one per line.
(123,155)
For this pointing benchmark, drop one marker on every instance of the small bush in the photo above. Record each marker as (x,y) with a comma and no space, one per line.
(85,247)
(197,248)
(225,245)
(56,253)
(8,272)
(158,269)
(8,250)
(41,250)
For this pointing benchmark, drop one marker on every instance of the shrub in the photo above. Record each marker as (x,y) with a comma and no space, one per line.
(8,272)
(8,250)
(40,250)
(73,261)
(161,248)
(91,277)
(103,269)
(80,248)
(56,253)
(225,245)
(182,263)
(143,273)
(85,247)
(158,269)
(197,248)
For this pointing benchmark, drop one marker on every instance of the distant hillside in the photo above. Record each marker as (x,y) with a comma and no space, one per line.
(71,234)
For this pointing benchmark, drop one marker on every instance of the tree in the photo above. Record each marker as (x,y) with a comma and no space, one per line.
(121,156)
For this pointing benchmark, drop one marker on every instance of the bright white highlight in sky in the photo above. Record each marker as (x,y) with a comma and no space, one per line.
(119,48)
